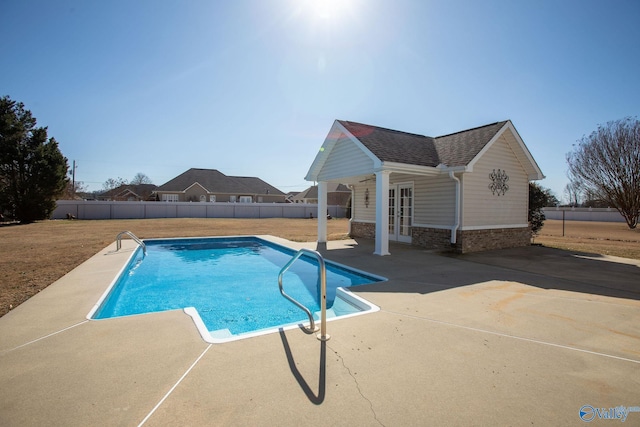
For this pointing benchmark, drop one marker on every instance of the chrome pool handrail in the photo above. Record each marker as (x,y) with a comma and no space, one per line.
(322,291)
(134,237)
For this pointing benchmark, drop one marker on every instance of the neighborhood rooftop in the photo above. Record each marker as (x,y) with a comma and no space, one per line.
(215,181)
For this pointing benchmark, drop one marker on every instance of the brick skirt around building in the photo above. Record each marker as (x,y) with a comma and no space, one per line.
(365,230)
(466,240)
(494,238)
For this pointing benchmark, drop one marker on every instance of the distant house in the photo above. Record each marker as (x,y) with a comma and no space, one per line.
(129,193)
(291,195)
(467,191)
(337,194)
(211,185)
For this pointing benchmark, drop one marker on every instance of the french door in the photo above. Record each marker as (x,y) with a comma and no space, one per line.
(400,212)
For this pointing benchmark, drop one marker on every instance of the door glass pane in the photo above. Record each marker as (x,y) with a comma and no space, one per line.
(392,210)
(406,206)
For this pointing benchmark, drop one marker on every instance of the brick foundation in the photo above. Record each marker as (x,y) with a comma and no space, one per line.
(471,240)
(498,238)
(466,241)
(431,238)
(366,230)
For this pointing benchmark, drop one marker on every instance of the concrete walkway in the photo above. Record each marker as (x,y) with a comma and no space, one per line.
(514,337)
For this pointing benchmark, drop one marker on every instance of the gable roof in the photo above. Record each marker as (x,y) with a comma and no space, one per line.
(457,149)
(394,146)
(460,148)
(407,151)
(215,181)
(312,192)
(141,191)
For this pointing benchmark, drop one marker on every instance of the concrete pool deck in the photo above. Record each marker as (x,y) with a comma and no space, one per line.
(525,336)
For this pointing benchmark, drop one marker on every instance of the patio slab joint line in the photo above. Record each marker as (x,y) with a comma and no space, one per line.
(44,337)
(174,386)
(502,334)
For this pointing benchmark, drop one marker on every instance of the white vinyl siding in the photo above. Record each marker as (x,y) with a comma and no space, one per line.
(346,159)
(483,208)
(434,198)
(438,201)
(360,211)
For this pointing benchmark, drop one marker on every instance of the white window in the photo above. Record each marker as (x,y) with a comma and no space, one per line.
(212,198)
(203,198)
(170,197)
(260,199)
(245,199)
(232,199)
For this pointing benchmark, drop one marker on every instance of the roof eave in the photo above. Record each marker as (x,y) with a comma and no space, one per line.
(193,185)
(336,132)
(534,172)
(408,168)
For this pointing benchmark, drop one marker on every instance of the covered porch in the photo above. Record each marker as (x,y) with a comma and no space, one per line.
(383,207)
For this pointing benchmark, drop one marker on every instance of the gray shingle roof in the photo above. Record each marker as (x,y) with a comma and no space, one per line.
(257,185)
(456,149)
(141,190)
(312,192)
(215,181)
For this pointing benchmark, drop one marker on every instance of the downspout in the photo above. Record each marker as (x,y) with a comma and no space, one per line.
(353,207)
(456,225)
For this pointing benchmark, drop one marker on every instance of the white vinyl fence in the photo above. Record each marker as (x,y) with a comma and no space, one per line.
(583,214)
(90,209)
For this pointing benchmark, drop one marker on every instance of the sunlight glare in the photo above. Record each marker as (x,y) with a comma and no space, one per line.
(327,9)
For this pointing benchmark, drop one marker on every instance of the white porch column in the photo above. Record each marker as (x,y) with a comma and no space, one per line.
(322,212)
(382,213)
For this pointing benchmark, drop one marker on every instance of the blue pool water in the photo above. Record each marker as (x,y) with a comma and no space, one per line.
(231,282)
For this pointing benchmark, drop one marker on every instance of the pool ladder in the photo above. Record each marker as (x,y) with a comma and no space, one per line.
(322,293)
(133,236)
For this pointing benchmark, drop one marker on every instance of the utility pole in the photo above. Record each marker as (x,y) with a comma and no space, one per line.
(73,178)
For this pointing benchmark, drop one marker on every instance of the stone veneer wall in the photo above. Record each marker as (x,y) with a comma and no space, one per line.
(467,241)
(363,229)
(431,238)
(496,238)
(471,240)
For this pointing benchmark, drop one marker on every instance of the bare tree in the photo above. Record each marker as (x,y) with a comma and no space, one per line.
(607,164)
(140,178)
(111,183)
(71,192)
(573,191)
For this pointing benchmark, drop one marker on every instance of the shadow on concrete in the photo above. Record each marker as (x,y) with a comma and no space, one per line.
(416,270)
(316,399)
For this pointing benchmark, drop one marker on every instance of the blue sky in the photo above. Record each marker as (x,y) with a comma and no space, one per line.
(251,88)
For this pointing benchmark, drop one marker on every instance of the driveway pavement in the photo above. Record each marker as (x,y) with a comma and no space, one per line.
(531,336)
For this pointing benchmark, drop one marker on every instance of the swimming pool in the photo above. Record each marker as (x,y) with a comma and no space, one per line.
(229,286)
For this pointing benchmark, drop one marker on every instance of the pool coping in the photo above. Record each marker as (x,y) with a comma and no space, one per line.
(365,306)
